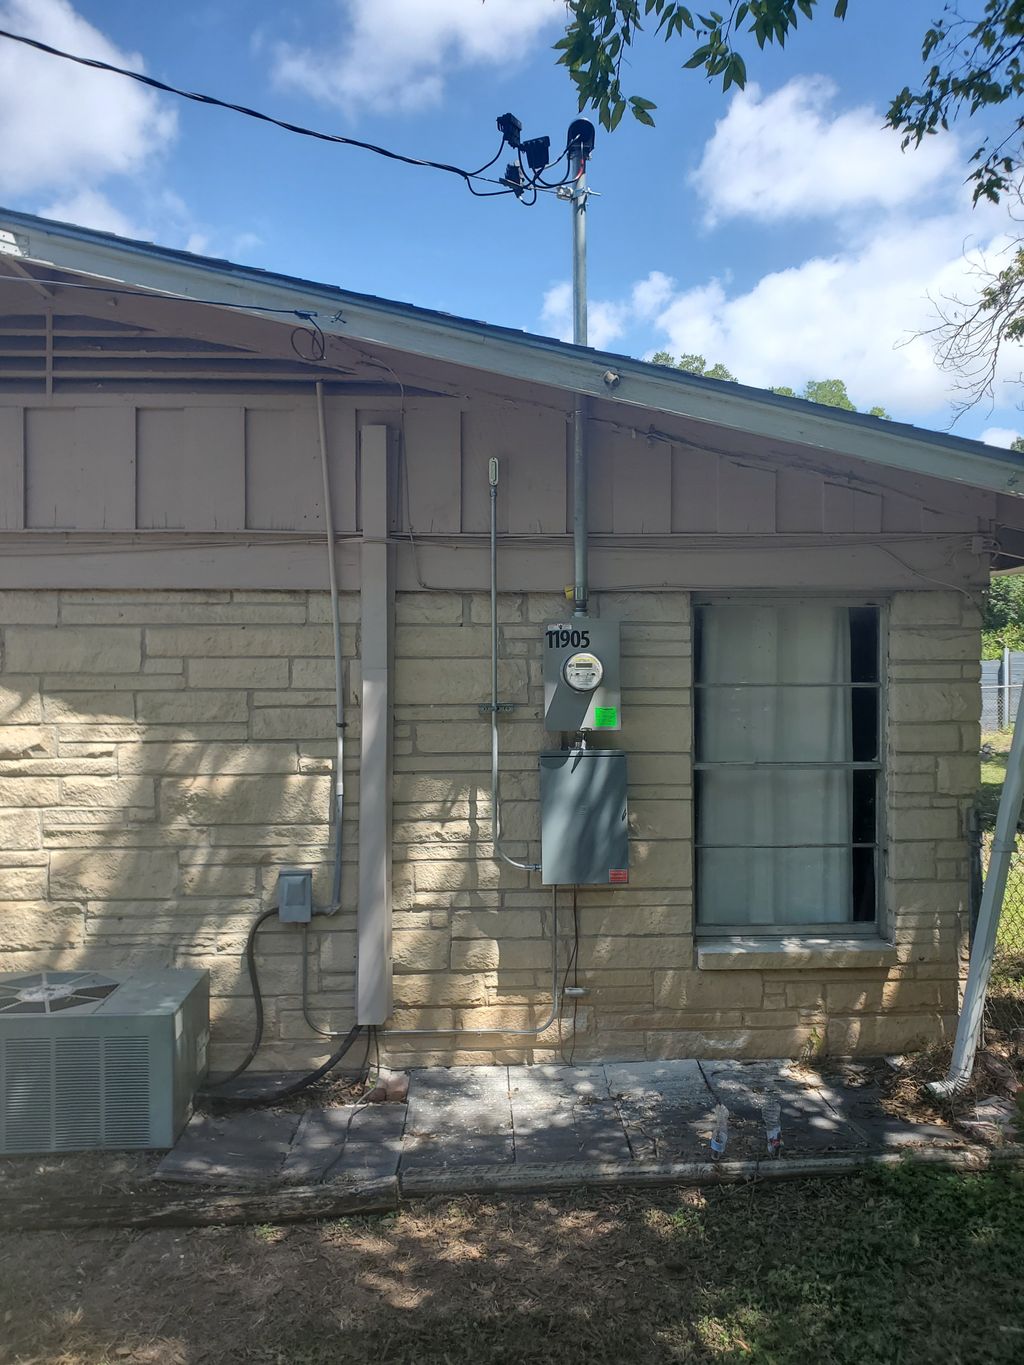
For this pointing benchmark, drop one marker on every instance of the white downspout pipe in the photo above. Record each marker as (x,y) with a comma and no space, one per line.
(339,689)
(968,1030)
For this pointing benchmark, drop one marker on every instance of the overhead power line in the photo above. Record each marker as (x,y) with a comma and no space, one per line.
(504,185)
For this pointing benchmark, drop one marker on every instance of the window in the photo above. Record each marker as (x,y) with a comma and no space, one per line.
(787,771)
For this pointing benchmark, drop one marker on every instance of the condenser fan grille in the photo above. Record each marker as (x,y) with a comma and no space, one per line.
(51,992)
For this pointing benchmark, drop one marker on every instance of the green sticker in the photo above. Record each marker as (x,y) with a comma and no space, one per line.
(605,717)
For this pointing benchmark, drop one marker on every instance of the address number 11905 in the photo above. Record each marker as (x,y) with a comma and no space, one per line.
(563,637)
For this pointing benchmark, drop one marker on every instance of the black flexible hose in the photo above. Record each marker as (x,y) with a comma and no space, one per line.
(257,998)
(266,1098)
(304,1082)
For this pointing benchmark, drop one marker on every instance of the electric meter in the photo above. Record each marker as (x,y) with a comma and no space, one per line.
(583,672)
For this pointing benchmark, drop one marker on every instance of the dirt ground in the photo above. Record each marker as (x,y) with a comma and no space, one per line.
(911,1266)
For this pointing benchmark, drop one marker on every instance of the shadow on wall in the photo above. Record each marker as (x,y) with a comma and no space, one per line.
(154,778)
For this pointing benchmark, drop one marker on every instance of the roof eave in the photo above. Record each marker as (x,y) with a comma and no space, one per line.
(514,355)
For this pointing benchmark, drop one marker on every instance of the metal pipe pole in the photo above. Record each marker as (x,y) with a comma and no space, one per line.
(1007,699)
(580,527)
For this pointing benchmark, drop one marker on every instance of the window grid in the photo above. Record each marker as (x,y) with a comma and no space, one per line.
(849,927)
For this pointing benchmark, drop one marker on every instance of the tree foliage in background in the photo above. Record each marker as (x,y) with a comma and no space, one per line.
(831,392)
(1002,626)
(972,61)
(694,364)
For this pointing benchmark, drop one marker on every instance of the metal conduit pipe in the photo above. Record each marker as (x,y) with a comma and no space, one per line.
(502,1032)
(580,525)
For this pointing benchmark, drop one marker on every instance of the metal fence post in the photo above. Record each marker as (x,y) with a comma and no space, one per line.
(1007,700)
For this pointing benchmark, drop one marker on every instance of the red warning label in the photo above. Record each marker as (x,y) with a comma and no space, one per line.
(618,874)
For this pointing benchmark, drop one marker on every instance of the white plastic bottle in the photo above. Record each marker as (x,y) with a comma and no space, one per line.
(720,1133)
(772,1111)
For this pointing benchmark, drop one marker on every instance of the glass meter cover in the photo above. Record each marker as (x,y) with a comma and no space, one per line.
(583,672)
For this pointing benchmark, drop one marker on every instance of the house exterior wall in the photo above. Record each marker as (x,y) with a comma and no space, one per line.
(164,753)
(166,702)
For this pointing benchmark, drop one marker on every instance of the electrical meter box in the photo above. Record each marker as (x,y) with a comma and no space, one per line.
(583,823)
(581,675)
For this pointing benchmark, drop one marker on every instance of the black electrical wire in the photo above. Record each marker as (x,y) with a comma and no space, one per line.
(317,340)
(575,971)
(304,1082)
(266,1098)
(300,129)
(257,996)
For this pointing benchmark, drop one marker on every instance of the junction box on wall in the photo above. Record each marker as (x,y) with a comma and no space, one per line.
(584,835)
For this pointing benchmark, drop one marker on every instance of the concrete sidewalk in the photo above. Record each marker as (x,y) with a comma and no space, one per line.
(493,1127)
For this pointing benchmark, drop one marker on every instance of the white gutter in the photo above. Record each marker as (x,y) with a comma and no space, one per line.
(968,1030)
(521,356)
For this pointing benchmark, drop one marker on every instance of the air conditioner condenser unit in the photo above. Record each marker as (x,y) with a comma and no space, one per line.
(91,1060)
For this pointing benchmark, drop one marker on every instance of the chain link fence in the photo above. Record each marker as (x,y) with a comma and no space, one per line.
(1004,1007)
(1001,682)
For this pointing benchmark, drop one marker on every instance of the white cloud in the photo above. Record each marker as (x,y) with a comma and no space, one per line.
(62,126)
(92,209)
(394,55)
(786,155)
(1000,436)
(163,217)
(855,315)
(607,320)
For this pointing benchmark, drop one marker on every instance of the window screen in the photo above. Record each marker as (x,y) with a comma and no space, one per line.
(787,730)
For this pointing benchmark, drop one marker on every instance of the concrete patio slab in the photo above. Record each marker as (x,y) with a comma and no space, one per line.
(346,1142)
(562,1113)
(666,1108)
(811,1121)
(245,1147)
(638,1121)
(458,1116)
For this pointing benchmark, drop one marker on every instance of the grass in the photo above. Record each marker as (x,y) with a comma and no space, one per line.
(910,1266)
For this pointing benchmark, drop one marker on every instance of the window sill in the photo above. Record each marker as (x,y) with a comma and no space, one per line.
(765,953)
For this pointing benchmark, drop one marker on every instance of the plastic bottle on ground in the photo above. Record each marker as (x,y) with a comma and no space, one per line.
(720,1132)
(772,1112)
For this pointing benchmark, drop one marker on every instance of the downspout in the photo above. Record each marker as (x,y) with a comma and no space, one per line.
(339,716)
(339,691)
(968,1030)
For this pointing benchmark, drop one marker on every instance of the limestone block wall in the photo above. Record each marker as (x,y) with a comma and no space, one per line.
(162,755)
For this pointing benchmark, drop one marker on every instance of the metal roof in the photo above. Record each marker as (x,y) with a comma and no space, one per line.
(513,354)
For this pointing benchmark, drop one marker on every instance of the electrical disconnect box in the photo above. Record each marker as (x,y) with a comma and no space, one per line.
(584,836)
(581,675)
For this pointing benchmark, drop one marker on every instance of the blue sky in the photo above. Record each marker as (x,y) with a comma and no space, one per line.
(780,231)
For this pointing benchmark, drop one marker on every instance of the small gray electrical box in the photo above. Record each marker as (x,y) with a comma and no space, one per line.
(581,675)
(295,896)
(583,832)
